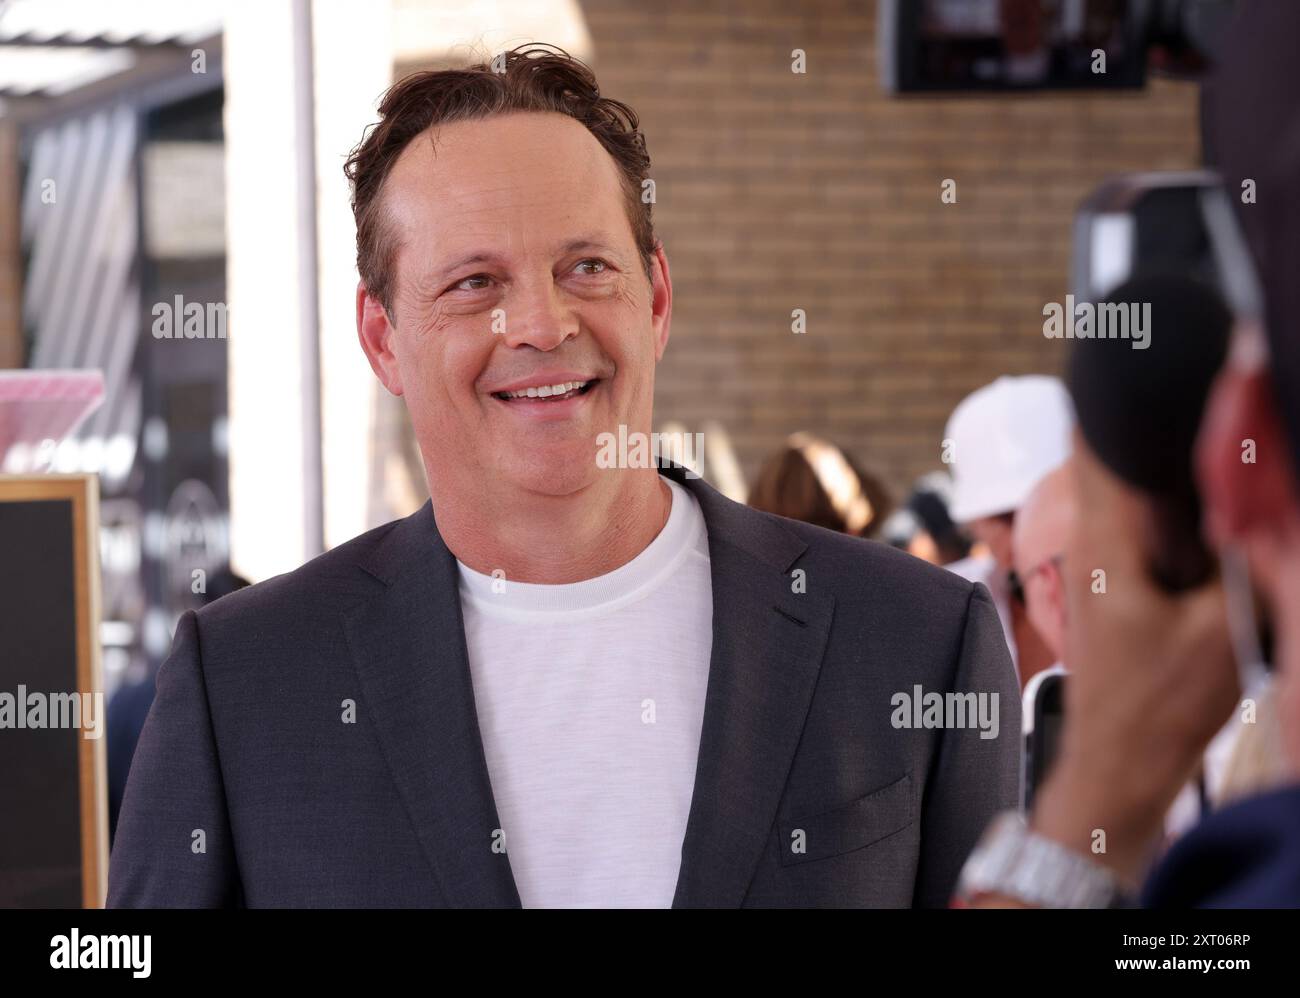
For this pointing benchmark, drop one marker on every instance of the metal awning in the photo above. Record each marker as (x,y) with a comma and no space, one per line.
(53,52)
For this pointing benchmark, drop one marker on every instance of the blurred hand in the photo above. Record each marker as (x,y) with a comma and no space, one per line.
(1153,680)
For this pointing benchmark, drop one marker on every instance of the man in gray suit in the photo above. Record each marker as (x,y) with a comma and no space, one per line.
(577,677)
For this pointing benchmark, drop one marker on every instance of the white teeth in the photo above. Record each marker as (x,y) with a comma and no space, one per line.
(545,391)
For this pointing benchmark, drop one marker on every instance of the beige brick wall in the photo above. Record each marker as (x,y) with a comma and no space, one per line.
(778,191)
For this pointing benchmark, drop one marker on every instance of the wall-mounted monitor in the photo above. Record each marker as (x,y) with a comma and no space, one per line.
(1009,45)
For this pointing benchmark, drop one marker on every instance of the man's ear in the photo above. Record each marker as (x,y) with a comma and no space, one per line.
(376,334)
(1243,458)
(661,303)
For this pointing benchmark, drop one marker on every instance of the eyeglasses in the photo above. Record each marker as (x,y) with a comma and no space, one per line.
(1017,583)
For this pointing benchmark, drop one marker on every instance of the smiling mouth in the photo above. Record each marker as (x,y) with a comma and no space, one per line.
(549,393)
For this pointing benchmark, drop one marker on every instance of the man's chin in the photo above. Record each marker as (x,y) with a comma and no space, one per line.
(553,471)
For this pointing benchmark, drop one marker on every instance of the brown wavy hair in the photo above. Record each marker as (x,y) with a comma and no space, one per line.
(789,484)
(535,77)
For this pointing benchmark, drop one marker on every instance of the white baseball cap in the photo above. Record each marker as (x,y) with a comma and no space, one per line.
(1002,440)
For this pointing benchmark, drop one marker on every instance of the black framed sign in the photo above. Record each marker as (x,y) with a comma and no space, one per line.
(53,798)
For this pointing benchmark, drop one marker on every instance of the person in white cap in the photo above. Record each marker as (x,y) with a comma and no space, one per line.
(1001,441)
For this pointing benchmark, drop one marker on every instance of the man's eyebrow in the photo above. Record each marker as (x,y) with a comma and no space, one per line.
(572,246)
(587,243)
(465,261)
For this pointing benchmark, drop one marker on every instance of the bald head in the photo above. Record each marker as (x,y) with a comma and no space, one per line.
(1043,522)
(1042,526)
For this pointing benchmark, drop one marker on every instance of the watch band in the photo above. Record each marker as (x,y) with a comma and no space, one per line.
(1014,861)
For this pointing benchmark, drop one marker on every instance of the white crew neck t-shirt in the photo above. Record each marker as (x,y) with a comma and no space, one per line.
(590,700)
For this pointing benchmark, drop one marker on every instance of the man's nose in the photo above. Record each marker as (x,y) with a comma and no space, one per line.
(536,317)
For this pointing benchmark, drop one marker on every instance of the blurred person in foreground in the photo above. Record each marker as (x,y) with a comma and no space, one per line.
(1003,438)
(562,682)
(1138,414)
(1046,521)
(1156,675)
(812,480)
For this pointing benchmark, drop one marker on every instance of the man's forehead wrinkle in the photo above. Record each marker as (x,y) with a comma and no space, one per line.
(469,207)
(482,212)
(485,195)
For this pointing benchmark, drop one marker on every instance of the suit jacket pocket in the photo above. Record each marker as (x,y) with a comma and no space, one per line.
(849,827)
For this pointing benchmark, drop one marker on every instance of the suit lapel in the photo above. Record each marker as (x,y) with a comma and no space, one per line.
(408,645)
(768,643)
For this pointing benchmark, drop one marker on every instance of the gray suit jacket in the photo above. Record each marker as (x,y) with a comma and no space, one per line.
(248,789)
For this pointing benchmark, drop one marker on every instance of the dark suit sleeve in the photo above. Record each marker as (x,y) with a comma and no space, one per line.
(174,792)
(971,778)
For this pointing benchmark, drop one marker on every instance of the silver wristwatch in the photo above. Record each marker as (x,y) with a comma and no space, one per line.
(1013,861)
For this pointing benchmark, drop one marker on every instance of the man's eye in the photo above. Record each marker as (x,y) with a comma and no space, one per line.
(599,266)
(475,283)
